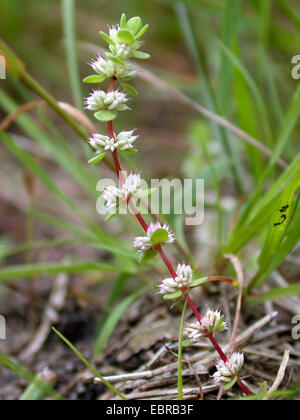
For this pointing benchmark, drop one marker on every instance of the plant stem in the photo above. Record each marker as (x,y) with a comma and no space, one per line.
(163,256)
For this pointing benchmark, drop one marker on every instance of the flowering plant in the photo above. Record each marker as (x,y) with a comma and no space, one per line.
(124,41)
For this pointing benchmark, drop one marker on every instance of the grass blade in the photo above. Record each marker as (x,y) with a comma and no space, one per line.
(209,95)
(276,294)
(45,387)
(89,365)
(68,11)
(38,389)
(231,16)
(31,270)
(114,318)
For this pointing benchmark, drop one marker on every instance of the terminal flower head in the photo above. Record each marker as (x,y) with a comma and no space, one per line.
(124,39)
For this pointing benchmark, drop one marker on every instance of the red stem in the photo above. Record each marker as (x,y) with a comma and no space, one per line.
(166,261)
(218,348)
(162,253)
(244,388)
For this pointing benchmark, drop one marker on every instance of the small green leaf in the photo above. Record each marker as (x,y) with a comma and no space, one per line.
(187,343)
(107,38)
(220,323)
(123,21)
(199,282)
(227,387)
(105,115)
(97,158)
(94,79)
(129,151)
(145,256)
(171,296)
(159,236)
(139,55)
(142,32)
(130,89)
(115,59)
(125,36)
(135,25)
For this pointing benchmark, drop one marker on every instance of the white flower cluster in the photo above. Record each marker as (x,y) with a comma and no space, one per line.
(183,280)
(212,321)
(122,50)
(112,195)
(226,372)
(107,68)
(123,141)
(143,243)
(111,101)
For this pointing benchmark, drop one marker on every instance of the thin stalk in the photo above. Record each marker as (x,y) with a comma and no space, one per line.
(179,380)
(68,12)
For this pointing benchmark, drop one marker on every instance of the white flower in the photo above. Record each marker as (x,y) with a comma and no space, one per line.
(113,33)
(103,67)
(168,286)
(121,49)
(144,243)
(226,372)
(184,275)
(126,71)
(95,102)
(211,322)
(123,141)
(184,279)
(107,68)
(103,143)
(116,101)
(126,139)
(131,185)
(111,196)
(214,321)
(112,101)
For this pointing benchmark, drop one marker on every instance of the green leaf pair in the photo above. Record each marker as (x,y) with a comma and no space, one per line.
(134,26)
